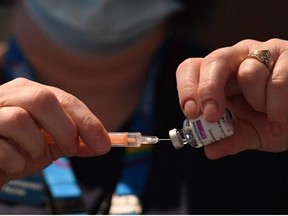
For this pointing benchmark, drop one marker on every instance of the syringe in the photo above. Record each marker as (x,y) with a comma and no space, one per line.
(120,139)
(132,139)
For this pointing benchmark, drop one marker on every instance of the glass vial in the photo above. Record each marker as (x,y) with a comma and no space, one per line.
(198,132)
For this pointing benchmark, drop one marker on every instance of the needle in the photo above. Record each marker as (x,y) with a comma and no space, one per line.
(163,139)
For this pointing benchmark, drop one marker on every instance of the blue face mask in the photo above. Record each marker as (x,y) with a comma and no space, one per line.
(99,26)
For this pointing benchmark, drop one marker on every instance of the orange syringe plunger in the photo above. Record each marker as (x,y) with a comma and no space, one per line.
(118,139)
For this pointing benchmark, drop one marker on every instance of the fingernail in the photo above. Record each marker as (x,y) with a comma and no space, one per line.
(276,129)
(209,109)
(190,108)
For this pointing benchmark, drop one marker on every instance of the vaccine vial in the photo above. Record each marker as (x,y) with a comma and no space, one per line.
(198,132)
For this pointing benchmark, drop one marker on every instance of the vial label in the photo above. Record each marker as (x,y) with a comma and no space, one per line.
(207,132)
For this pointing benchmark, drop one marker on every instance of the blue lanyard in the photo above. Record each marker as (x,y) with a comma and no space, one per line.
(137,162)
(136,165)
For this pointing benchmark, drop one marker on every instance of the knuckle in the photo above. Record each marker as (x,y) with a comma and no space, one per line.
(218,60)
(22,81)
(43,97)
(246,41)
(218,56)
(17,116)
(185,65)
(274,41)
(69,101)
(247,73)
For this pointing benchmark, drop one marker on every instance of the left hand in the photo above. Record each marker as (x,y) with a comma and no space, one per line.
(29,113)
(256,96)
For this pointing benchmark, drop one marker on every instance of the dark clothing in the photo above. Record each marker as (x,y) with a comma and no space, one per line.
(184,181)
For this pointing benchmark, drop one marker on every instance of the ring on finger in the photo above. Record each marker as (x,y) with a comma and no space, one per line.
(263,56)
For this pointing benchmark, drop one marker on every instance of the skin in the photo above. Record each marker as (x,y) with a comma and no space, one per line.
(256,96)
(87,88)
(29,108)
(205,85)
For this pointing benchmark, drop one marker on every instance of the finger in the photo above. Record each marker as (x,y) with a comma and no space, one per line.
(232,145)
(83,151)
(252,78)
(90,129)
(277,93)
(11,161)
(245,134)
(187,76)
(16,124)
(216,69)
(45,108)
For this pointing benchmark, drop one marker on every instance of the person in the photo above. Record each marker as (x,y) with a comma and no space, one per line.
(73,87)
(256,98)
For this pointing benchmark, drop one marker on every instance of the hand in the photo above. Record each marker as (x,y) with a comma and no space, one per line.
(256,96)
(28,110)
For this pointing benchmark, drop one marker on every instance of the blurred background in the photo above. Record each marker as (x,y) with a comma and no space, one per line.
(231,21)
(215,23)
(5,19)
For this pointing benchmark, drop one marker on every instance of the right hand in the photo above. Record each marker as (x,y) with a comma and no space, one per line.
(27,109)
(256,96)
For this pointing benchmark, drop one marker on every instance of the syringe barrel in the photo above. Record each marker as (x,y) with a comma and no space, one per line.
(118,139)
(125,139)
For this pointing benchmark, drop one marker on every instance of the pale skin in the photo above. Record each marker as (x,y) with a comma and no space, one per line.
(256,96)
(100,87)
(205,85)
(26,109)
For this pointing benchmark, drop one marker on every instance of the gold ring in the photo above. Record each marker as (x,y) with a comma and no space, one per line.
(263,56)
